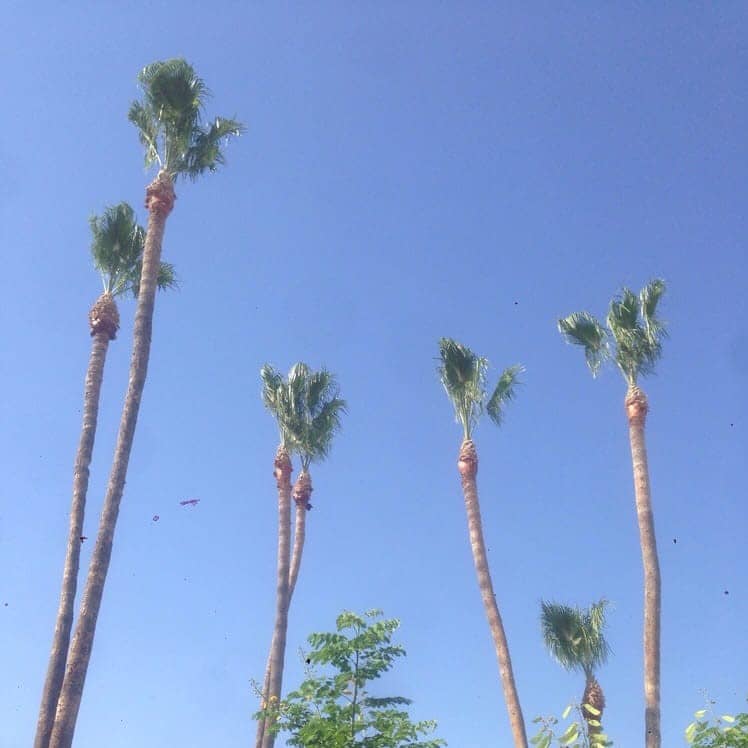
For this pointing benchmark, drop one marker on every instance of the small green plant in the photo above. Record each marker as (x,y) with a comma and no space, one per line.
(570,733)
(335,708)
(711,731)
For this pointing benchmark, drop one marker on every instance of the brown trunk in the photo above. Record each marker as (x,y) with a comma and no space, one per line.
(104,322)
(594,696)
(468,466)
(159,201)
(302,492)
(265,735)
(636,412)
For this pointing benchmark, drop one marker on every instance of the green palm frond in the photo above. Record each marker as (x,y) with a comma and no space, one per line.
(463,375)
(649,298)
(581,328)
(169,120)
(504,392)
(637,331)
(165,280)
(575,637)
(116,246)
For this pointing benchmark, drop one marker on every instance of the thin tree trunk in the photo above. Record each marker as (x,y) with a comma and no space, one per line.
(159,201)
(593,696)
(301,499)
(636,412)
(468,467)
(104,321)
(272,694)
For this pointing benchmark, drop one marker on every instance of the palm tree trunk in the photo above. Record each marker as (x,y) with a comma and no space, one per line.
(636,412)
(302,490)
(594,697)
(468,467)
(265,736)
(159,201)
(104,321)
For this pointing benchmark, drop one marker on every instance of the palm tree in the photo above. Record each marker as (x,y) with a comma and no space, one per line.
(575,638)
(637,335)
(117,249)
(463,375)
(310,419)
(169,121)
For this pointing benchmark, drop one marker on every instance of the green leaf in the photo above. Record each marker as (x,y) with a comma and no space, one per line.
(566,712)
(728,718)
(591,709)
(700,714)
(691,731)
(570,735)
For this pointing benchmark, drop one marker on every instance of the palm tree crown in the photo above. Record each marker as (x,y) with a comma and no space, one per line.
(634,326)
(169,120)
(307,407)
(117,247)
(575,637)
(463,375)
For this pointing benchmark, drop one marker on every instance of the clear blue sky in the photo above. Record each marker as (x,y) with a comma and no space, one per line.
(409,171)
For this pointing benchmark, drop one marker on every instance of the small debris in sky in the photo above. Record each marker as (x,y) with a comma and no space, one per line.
(189,502)
(156,518)
(727,592)
(84,537)
(675,540)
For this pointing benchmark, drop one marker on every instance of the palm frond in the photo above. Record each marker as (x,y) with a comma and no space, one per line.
(649,298)
(463,375)
(575,638)
(638,346)
(504,392)
(315,440)
(272,381)
(169,120)
(205,153)
(581,328)
(165,280)
(116,246)
(147,132)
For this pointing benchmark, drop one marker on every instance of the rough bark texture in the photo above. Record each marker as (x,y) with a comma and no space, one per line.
(302,492)
(159,201)
(104,322)
(271,697)
(467,465)
(636,412)
(594,696)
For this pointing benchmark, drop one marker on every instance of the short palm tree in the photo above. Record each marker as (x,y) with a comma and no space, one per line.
(636,345)
(117,249)
(463,375)
(169,121)
(308,410)
(575,638)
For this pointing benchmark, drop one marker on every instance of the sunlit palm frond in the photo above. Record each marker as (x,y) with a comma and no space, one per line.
(147,132)
(575,638)
(169,120)
(205,152)
(581,328)
(117,244)
(504,392)
(315,441)
(272,381)
(463,375)
(649,298)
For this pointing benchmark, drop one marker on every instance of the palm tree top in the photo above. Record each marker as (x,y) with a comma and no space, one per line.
(634,327)
(575,637)
(463,375)
(307,407)
(117,244)
(170,120)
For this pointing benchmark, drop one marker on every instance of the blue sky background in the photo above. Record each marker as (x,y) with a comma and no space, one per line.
(409,171)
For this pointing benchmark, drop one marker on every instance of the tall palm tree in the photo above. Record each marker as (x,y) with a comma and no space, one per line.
(169,122)
(310,422)
(117,249)
(463,375)
(575,638)
(637,336)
